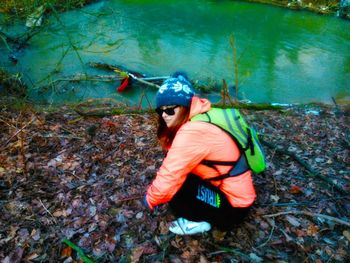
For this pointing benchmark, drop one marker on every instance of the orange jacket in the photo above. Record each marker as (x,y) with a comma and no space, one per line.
(194,142)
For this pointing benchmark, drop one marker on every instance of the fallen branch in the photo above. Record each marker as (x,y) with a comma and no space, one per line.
(305,203)
(330,218)
(19,41)
(124,72)
(233,251)
(305,165)
(79,77)
(144,81)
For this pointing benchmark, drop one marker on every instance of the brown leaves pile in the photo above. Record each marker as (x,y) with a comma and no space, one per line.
(82,179)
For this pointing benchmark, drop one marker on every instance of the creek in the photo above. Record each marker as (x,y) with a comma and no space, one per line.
(283,56)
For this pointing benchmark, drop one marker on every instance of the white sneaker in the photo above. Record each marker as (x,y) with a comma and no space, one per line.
(182,226)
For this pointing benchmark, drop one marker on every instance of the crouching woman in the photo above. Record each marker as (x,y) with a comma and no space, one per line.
(184,180)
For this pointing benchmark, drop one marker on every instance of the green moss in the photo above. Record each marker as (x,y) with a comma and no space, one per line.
(318,6)
(12,84)
(249,106)
(23,8)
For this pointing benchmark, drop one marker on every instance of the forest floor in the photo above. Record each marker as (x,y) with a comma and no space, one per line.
(71,190)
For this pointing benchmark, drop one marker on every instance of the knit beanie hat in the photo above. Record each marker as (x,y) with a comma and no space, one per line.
(176,90)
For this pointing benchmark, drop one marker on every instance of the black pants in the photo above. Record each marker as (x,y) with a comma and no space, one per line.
(199,200)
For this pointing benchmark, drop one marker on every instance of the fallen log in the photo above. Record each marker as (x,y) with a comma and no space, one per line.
(305,165)
(330,218)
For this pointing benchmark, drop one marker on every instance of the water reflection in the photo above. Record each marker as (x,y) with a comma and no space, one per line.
(283,56)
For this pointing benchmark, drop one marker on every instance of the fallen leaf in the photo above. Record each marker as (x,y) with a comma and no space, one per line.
(58,213)
(32,256)
(109,124)
(346,234)
(92,211)
(293,221)
(15,256)
(301,233)
(312,230)
(294,189)
(139,215)
(203,259)
(274,198)
(186,255)
(23,233)
(136,254)
(149,249)
(35,234)
(254,258)
(110,244)
(66,252)
(278,172)
(13,230)
(218,235)
(163,228)
(175,259)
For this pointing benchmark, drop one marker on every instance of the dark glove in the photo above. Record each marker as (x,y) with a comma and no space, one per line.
(145,203)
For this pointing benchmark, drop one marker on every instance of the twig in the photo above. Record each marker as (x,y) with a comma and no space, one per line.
(305,165)
(22,152)
(217,252)
(8,124)
(143,81)
(48,211)
(149,103)
(61,136)
(337,109)
(19,41)
(306,203)
(130,198)
(4,39)
(232,42)
(133,75)
(337,220)
(225,94)
(144,95)
(274,183)
(16,133)
(233,251)
(55,13)
(111,153)
(269,238)
(69,131)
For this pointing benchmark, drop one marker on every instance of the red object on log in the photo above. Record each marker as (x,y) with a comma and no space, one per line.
(123,84)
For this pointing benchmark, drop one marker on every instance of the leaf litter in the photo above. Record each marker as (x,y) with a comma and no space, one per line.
(71,190)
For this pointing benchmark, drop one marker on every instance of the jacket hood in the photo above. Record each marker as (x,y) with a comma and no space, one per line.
(199,106)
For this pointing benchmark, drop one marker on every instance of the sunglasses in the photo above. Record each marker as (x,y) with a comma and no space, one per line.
(168,111)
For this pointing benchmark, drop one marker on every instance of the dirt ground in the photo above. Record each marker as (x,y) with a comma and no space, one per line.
(71,189)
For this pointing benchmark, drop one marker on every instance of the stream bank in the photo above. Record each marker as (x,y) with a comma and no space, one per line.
(24,8)
(60,180)
(340,8)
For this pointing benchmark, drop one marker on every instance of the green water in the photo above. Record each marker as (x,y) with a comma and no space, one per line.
(283,56)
